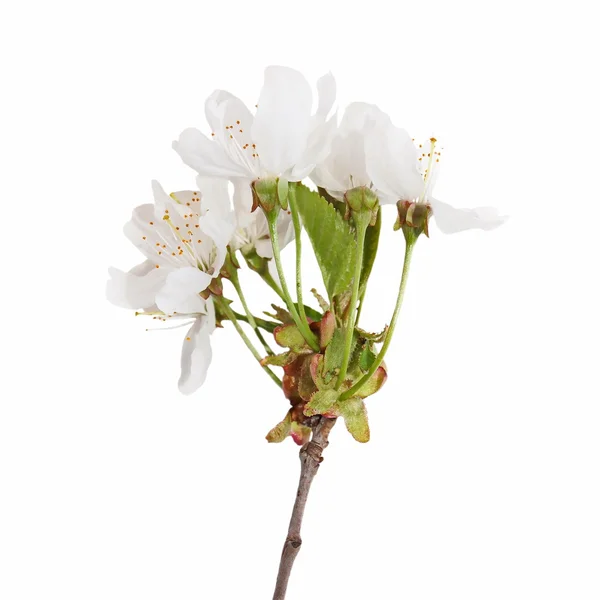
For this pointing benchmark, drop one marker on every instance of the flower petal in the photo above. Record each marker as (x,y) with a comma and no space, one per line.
(453,220)
(326,89)
(391,159)
(181,291)
(136,289)
(205,156)
(196,354)
(218,220)
(282,122)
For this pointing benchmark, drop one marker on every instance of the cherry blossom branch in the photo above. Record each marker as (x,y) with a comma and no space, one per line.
(390,332)
(310,460)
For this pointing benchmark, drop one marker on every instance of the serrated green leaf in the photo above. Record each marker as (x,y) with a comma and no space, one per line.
(355,417)
(370,252)
(321,402)
(333,239)
(334,354)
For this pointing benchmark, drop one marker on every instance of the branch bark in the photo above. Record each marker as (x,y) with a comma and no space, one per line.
(310,459)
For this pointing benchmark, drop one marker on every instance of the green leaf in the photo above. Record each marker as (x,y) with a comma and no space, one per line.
(355,417)
(370,251)
(333,239)
(321,402)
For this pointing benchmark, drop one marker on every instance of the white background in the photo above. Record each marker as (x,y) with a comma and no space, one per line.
(481,480)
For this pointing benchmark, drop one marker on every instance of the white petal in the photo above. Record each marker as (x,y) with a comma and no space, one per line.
(242,203)
(453,220)
(218,220)
(360,116)
(136,289)
(196,354)
(205,156)
(317,149)
(282,122)
(181,292)
(391,159)
(326,89)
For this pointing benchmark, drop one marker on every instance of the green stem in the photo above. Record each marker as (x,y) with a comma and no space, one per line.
(308,335)
(362,222)
(262,323)
(270,281)
(251,321)
(298,236)
(224,306)
(388,338)
(263,271)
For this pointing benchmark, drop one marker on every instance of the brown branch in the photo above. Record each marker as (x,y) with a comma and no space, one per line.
(310,459)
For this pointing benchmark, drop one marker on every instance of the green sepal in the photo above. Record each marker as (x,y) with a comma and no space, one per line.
(289,336)
(326,329)
(332,238)
(354,413)
(300,433)
(321,403)
(278,360)
(281,430)
(322,302)
(280,314)
(374,384)
(372,337)
(284,316)
(265,195)
(283,189)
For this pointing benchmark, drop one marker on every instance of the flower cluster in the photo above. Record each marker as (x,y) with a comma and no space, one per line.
(251,202)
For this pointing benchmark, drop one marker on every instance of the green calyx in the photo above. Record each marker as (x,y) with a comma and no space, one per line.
(362,202)
(270,194)
(413,219)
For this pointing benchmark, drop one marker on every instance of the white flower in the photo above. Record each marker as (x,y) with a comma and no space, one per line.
(283,138)
(401,170)
(184,238)
(345,166)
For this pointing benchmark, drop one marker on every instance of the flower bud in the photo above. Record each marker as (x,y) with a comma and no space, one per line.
(362,200)
(413,218)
